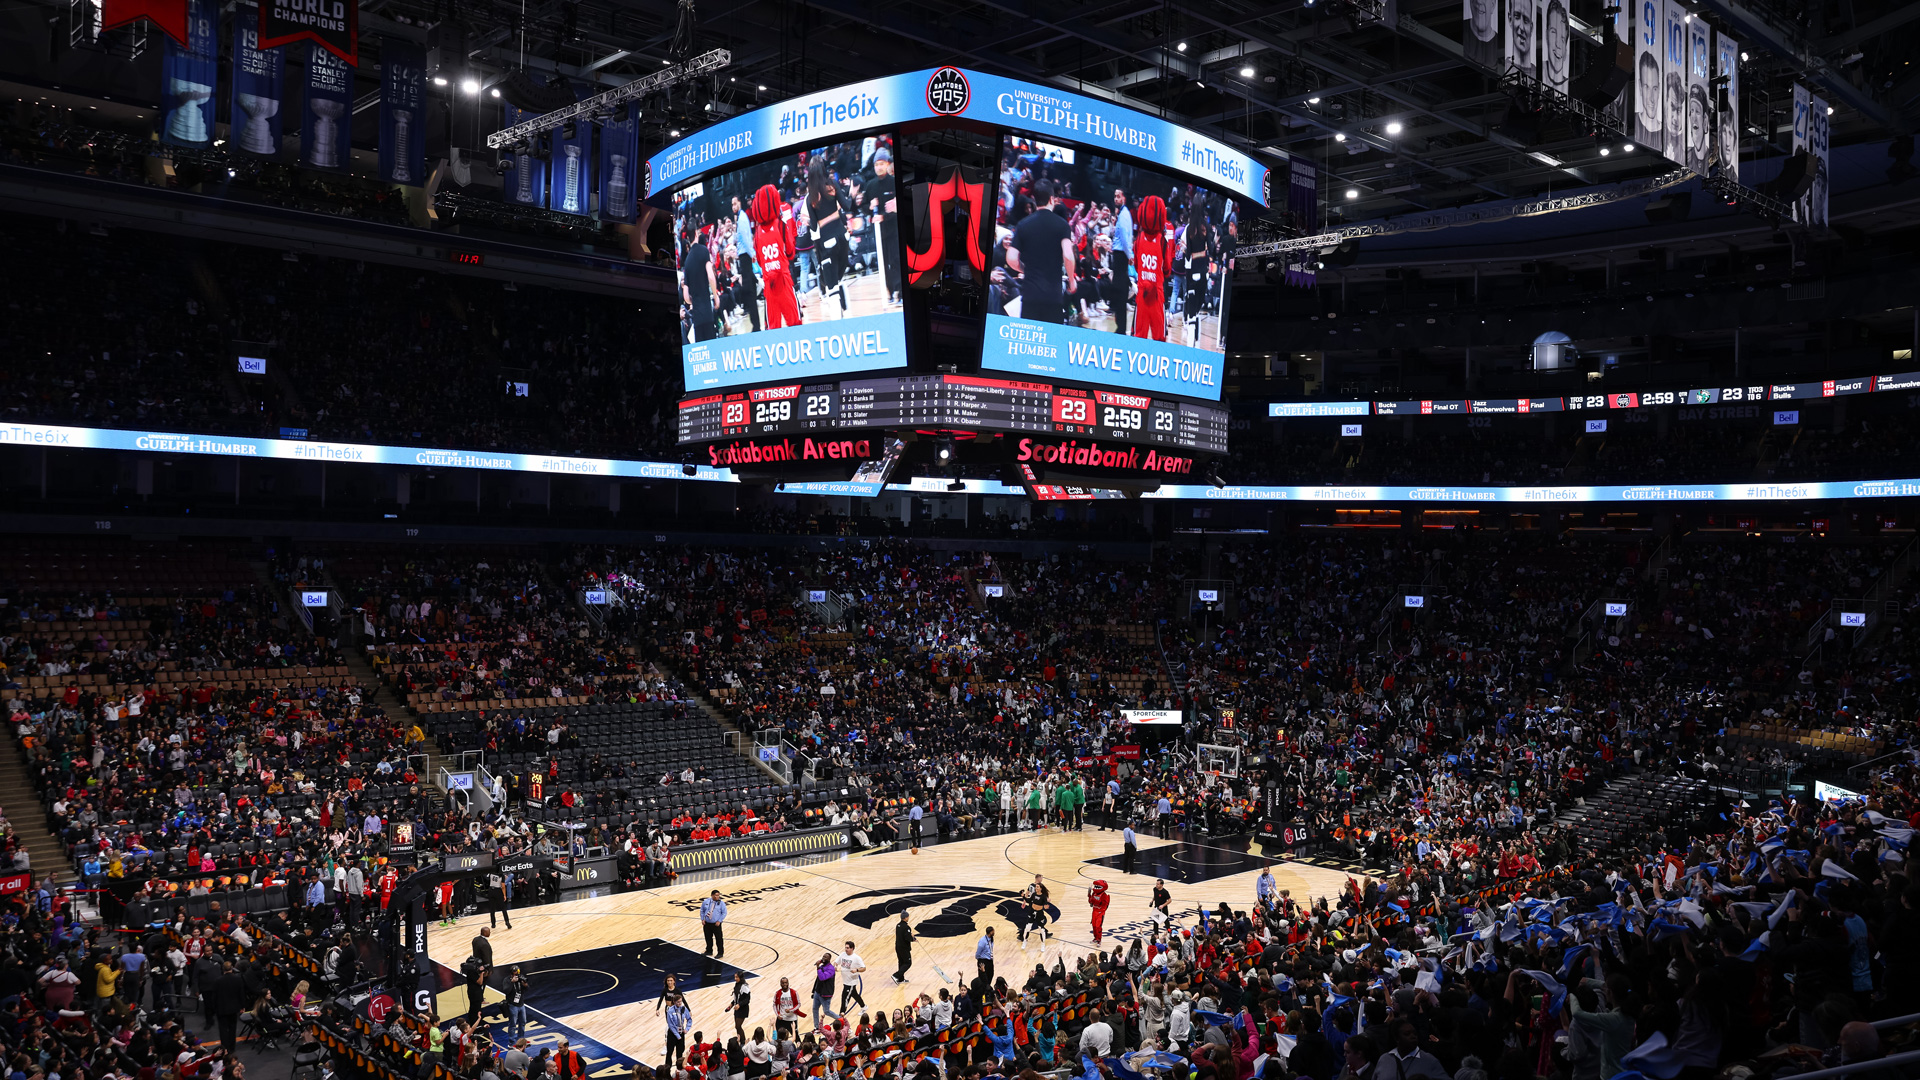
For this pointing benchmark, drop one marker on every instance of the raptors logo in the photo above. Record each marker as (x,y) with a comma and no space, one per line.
(948,92)
(956,919)
(958,187)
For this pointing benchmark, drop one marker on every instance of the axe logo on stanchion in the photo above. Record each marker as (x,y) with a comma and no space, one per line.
(958,186)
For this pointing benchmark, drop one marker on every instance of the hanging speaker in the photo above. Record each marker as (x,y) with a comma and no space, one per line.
(1608,69)
(1795,179)
(1670,208)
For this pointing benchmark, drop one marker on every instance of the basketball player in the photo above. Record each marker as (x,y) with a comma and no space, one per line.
(1151,261)
(773,249)
(1099,901)
(1199,267)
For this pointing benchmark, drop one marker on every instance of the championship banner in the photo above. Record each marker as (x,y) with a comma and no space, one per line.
(570,168)
(1700,119)
(188,71)
(619,151)
(1303,208)
(259,88)
(169,15)
(1673,74)
(1649,108)
(526,180)
(1726,146)
(403,95)
(1480,38)
(334,25)
(1802,124)
(326,140)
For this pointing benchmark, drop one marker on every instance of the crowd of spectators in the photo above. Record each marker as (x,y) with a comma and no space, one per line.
(355,351)
(1443,746)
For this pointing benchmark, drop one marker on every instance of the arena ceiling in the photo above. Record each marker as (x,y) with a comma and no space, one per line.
(1378,93)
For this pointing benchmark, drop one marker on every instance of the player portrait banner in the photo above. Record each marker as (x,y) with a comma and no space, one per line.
(1673,80)
(831,115)
(1649,95)
(570,169)
(1818,126)
(403,98)
(1726,144)
(1481,41)
(619,152)
(259,88)
(189,70)
(334,25)
(526,181)
(1554,45)
(1523,55)
(1700,118)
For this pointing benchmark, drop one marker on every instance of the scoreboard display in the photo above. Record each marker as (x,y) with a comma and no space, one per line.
(965,402)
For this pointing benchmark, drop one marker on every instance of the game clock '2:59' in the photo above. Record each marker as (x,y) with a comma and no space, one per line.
(1111,412)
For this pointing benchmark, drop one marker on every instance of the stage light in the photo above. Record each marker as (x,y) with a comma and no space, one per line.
(762,87)
(1353,193)
(1313,101)
(1247,72)
(675,133)
(1182,46)
(1626,148)
(1394,128)
(439,80)
(1213,475)
(1339,136)
(689,470)
(471,86)
(1743,56)
(957,485)
(1604,151)
(1829,110)
(944,450)
(496,91)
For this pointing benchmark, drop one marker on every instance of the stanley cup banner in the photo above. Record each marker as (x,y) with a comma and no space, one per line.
(1649,96)
(619,151)
(259,88)
(525,183)
(403,96)
(334,25)
(1699,104)
(1726,143)
(571,164)
(1480,39)
(1673,75)
(326,140)
(188,71)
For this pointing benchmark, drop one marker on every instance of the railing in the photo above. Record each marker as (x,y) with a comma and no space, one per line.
(1656,571)
(1586,629)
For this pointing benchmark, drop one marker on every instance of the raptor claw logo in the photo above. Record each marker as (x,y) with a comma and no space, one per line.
(956,919)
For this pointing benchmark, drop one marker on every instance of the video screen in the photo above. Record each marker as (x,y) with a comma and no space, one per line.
(1107,272)
(790,268)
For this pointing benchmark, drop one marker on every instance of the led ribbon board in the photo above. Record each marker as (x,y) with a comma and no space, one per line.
(959,93)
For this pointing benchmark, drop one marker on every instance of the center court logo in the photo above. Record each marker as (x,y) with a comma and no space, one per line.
(948,92)
(956,919)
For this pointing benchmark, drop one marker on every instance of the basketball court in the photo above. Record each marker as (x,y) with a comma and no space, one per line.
(596,967)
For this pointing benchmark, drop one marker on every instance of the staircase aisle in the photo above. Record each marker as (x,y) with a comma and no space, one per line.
(28,816)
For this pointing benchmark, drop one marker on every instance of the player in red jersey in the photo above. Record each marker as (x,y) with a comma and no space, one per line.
(1152,260)
(773,249)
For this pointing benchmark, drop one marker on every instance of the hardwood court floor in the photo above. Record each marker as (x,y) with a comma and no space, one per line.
(596,965)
